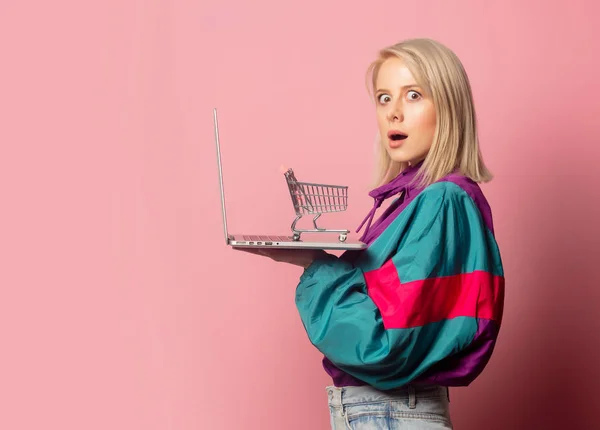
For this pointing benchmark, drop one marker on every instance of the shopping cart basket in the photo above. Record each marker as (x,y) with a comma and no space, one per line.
(316,199)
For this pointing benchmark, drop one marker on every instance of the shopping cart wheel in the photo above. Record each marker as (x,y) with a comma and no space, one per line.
(296,237)
(343,237)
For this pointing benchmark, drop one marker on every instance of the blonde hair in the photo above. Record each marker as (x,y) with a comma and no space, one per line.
(455,143)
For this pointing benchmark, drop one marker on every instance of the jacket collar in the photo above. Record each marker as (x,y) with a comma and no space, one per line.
(401,184)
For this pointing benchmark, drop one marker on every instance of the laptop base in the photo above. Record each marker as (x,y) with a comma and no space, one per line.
(239,241)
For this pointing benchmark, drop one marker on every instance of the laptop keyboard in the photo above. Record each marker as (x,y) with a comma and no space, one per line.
(268,238)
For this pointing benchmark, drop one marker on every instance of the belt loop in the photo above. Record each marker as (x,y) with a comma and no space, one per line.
(335,395)
(448,393)
(412,397)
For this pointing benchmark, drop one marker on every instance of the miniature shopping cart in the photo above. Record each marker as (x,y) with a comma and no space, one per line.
(316,199)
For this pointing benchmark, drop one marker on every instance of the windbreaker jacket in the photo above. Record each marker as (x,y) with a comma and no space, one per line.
(423,303)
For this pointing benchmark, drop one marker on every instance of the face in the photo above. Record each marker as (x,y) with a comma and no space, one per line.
(405,115)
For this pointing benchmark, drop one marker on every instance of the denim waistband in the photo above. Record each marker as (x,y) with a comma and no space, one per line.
(339,396)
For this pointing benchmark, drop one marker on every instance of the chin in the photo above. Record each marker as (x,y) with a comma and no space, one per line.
(401,159)
(399,156)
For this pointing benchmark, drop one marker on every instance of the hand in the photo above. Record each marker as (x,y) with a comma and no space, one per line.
(297,257)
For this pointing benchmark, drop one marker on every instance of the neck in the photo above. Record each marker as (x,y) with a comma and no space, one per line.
(416,162)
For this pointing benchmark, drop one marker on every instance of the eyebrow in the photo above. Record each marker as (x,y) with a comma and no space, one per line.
(402,88)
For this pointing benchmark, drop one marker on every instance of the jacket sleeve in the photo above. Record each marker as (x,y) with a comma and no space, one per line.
(416,298)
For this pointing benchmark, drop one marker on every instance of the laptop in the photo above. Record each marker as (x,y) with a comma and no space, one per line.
(324,240)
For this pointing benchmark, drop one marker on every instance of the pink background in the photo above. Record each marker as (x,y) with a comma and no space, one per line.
(120,306)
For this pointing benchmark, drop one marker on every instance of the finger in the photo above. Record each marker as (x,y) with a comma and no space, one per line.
(257,251)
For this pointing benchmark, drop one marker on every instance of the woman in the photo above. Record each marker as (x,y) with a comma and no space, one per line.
(420,309)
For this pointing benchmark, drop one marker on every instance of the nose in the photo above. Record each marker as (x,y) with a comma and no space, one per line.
(395,114)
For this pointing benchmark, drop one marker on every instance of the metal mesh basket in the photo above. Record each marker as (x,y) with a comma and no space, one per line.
(316,199)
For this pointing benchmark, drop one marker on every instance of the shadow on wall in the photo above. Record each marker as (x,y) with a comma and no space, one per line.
(546,373)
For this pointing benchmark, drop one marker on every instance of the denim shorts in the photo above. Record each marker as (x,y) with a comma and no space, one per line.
(413,407)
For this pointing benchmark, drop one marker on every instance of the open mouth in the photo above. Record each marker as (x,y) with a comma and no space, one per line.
(396,135)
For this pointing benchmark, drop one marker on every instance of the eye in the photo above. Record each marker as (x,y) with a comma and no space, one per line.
(413,95)
(384,98)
